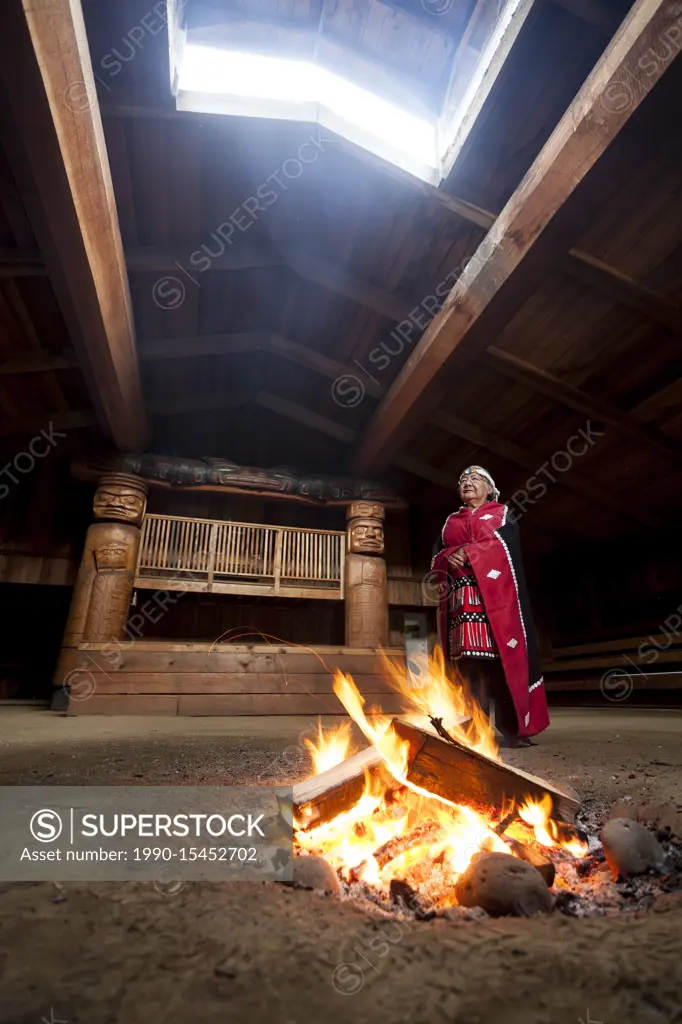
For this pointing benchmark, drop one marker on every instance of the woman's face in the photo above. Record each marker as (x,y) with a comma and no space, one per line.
(473,489)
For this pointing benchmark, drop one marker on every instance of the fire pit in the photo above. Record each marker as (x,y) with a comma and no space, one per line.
(406,821)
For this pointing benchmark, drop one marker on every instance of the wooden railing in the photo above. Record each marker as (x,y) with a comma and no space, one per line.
(240,558)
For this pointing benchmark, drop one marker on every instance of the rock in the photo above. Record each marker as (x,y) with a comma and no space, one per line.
(667,901)
(623,809)
(662,816)
(315,873)
(630,849)
(502,884)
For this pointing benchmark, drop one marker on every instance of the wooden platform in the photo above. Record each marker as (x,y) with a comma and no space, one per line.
(156,678)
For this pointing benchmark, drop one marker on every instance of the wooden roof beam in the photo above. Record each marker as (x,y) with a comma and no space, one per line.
(624,289)
(37,362)
(540,381)
(546,383)
(591,271)
(53,136)
(323,425)
(159,349)
(588,269)
(67,421)
(536,461)
(527,238)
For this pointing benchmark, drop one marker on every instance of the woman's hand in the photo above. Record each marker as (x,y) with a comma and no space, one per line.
(458,558)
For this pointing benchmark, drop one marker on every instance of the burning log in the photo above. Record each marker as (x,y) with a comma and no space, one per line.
(570,833)
(444,767)
(463,775)
(424,833)
(503,825)
(320,798)
(543,864)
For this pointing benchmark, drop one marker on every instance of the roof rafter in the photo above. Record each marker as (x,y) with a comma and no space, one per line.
(527,238)
(52,132)
(553,387)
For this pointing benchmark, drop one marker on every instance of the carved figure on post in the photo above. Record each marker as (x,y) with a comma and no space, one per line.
(101,596)
(366,590)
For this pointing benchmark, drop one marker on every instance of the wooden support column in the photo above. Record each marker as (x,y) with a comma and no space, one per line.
(101,596)
(366,588)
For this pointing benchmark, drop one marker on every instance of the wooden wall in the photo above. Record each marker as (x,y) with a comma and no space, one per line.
(610,592)
(205,617)
(45,513)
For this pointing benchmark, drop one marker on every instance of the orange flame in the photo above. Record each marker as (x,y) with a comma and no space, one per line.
(402,830)
(434,694)
(332,747)
(537,814)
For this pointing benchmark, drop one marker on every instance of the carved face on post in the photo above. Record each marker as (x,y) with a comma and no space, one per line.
(365,510)
(367,537)
(117,498)
(113,556)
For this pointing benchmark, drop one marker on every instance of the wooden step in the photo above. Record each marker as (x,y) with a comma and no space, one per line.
(201,704)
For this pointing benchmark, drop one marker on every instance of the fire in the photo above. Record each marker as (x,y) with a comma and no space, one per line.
(439,696)
(398,829)
(536,813)
(331,748)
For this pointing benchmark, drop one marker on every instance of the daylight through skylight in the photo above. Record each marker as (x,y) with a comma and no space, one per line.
(271,86)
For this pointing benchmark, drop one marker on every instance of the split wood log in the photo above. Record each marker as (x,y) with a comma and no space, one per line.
(320,798)
(464,776)
(420,835)
(543,864)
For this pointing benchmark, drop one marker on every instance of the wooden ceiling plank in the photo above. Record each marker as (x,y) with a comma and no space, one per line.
(546,383)
(522,243)
(534,461)
(338,280)
(36,362)
(624,289)
(160,349)
(592,271)
(517,369)
(319,363)
(597,13)
(56,150)
(199,402)
(305,417)
(55,421)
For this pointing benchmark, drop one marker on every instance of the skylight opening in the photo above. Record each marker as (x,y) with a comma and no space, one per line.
(265,86)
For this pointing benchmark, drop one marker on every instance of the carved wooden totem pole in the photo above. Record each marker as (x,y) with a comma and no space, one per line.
(366,589)
(101,596)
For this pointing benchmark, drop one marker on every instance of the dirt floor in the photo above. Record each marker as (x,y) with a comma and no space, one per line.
(109,953)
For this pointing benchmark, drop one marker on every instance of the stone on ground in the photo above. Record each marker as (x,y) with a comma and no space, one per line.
(315,873)
(629,848)
(502,884)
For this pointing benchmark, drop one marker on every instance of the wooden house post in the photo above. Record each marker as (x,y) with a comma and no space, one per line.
(366,587)
(101,595)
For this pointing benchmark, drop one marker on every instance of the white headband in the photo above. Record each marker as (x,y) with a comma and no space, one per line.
(486,476)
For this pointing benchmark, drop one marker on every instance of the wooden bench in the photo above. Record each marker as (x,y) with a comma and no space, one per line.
(651,662)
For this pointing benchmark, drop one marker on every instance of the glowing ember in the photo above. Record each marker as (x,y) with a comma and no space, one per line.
(405,831)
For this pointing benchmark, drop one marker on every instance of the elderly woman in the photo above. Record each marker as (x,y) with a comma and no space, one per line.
(485,618)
